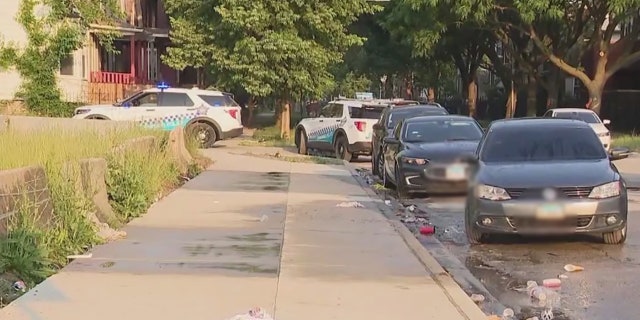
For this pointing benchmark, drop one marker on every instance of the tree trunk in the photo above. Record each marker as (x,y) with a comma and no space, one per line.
(511,102)
(431,94)
(532,97)
(285,119)
(472,94)
(553,86)
(595,96)
(278,114)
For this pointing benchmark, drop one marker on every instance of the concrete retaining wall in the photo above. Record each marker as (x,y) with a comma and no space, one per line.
(33,124)
(28,186)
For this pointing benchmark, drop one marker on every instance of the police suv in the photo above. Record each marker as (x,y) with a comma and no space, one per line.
(207,115)
(343,126)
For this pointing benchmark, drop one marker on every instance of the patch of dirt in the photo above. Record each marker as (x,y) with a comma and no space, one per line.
(7,292)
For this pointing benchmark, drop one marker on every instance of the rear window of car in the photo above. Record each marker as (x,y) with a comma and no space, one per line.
(219,101)
(365,112)
(588,117)
(398,115)
(530,144)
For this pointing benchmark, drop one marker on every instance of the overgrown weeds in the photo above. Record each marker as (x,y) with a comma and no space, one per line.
(268,137)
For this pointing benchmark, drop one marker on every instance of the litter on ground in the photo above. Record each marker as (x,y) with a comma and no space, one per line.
(552,283)
(573,268)
(352,204)
(427,230)
(253,314)
(477,298)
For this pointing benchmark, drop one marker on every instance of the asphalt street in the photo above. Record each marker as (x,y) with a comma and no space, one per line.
(501,269)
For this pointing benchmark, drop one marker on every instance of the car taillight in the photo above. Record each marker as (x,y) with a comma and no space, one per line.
(360,125)
(233,113)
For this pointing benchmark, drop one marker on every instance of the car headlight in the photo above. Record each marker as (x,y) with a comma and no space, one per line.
(607,190)
(491,193)
(417,161)
(604,134)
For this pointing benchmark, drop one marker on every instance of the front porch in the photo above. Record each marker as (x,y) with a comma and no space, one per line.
(134,64)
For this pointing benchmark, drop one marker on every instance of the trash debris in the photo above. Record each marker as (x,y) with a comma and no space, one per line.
(508,313)
(352,204)
(80,256)
(477,298)
(545,296)
(408,220)
(387,202)
(255,313)
(20,286)
(421,220)
(547,314)
(573,268)
(427,230)
(264,218)
(563,276)
(411,208)
(552,283)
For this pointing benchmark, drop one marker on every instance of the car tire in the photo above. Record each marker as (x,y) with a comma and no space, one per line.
(204,133)
(374,165)
(401,187)
(341,148)
(615,237)
(386,181)
(302,142)
(474,236)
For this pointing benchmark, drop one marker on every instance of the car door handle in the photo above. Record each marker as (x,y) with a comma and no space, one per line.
(150,110)
(338,120)
(321,121)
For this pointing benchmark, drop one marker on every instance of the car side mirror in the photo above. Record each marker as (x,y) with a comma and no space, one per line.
(606,122)
(391,140)
(619,153)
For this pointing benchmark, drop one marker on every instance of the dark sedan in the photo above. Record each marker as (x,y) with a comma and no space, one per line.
(542,176)
(391,116)
(425,154)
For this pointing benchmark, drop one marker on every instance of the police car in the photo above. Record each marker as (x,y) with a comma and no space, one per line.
(343,126)
(207,115)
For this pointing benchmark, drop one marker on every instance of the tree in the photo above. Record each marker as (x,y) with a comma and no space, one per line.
(283,49)
(601,31)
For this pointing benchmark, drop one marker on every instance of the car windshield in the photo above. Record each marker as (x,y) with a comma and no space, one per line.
(542,144)
(588,117)
(439,130)
(400,114)
(365,112)
(219,101)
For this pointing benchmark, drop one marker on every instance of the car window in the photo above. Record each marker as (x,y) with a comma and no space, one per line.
(148,99)
(548,114)
(365,112)
(542,144)
(326,111)
(398,129)
(588,117)
(337,110)
(400,114)
(442,130)
(174,99)
(218,101)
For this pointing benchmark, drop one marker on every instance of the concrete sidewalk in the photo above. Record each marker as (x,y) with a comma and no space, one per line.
(630,170)
(251,232)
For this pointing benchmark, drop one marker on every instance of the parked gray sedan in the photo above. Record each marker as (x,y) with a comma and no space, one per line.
(545,176)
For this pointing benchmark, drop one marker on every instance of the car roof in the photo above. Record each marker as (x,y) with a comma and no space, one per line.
(418,107)
(538,122)
(183,90)
(572,110)
(438,117)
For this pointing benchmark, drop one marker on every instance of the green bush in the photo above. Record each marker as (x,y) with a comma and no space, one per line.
(135,180)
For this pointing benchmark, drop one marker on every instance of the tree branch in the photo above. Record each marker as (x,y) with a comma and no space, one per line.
(559,62)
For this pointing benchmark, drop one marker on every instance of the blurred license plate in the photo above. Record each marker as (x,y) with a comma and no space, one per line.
(550,211)
(455,172)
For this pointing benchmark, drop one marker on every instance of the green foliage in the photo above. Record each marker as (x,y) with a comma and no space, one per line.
(282,49)
(352,83)
(50,38)
(135,180)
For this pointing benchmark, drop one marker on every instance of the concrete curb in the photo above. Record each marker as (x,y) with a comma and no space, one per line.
(454,293)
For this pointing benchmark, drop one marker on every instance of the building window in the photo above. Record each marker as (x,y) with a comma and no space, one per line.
(66,66)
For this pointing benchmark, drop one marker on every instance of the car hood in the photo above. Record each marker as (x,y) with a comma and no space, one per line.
(599,128)
(441,151)
(547,174)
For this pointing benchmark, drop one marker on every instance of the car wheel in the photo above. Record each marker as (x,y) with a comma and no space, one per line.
(204,133)
(302,142)
(374,164)
(380,164)
(401,187)
(615,237)
(341,149)
(386,181)
(473,235)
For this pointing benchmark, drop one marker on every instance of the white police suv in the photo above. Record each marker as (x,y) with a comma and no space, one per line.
(343,126)
(207,115)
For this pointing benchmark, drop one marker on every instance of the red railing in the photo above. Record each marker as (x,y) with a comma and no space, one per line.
(111,77)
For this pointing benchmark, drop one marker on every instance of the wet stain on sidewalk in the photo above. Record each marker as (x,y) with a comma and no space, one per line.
(270,181)
(230,266)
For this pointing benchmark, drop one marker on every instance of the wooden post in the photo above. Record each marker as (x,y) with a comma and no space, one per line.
(132,44)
